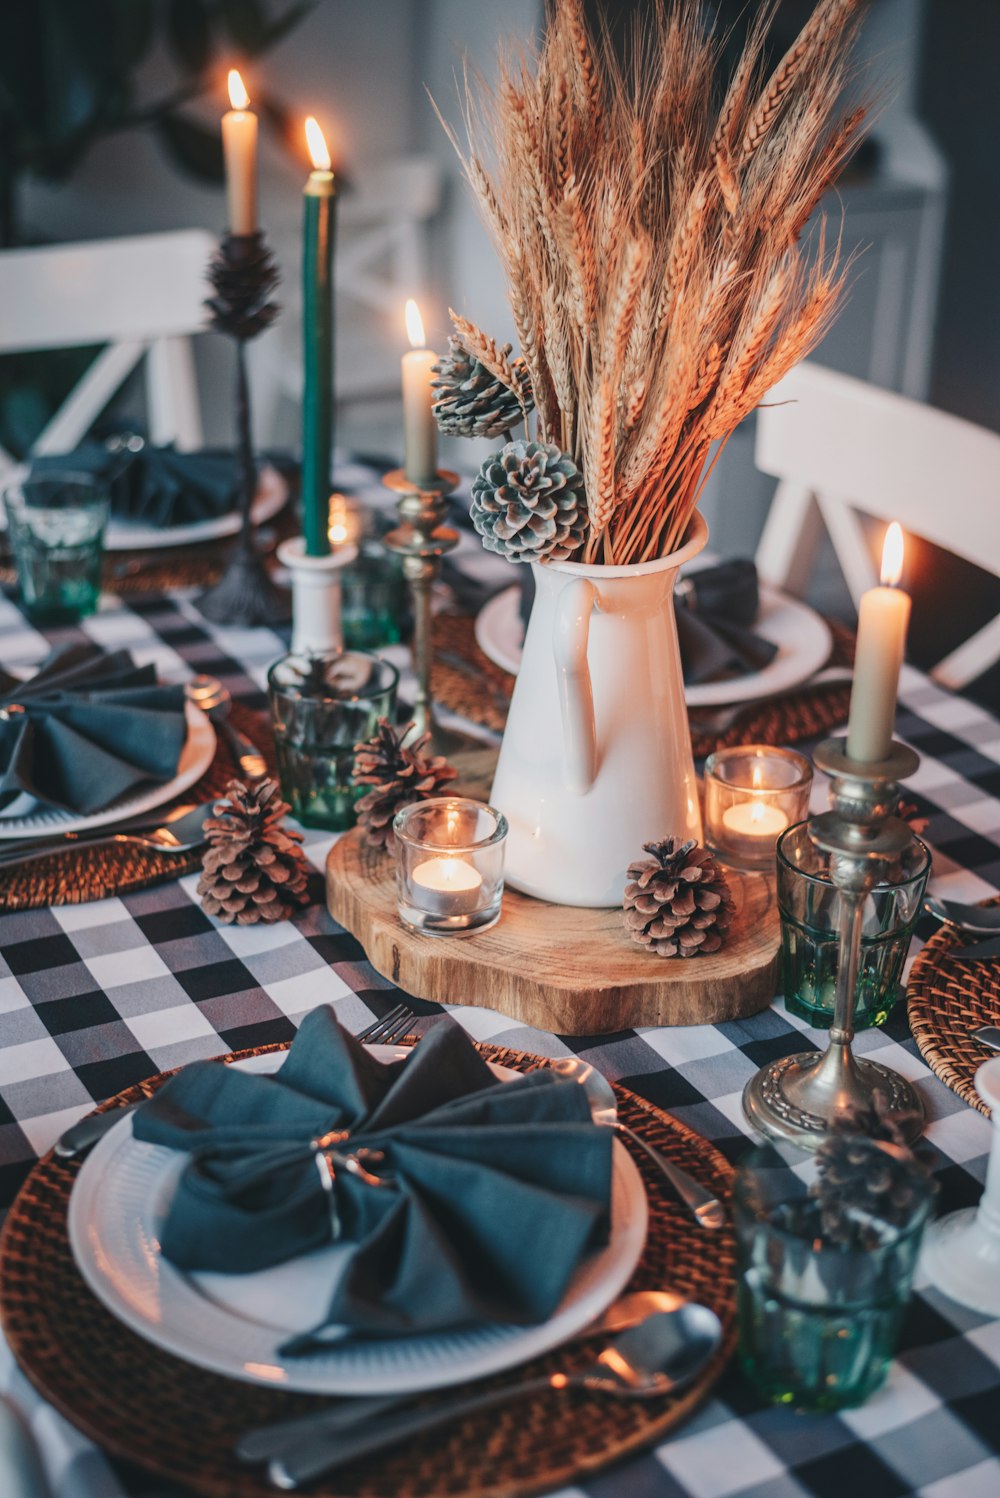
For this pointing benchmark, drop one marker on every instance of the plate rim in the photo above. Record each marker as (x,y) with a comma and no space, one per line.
(199,743)
(699,694)
(528,1342)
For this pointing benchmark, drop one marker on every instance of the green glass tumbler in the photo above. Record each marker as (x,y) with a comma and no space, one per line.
(56,522)
(321,706)
(809,906)
(818,1320)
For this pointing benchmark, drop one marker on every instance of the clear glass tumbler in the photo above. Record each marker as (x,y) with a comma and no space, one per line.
(56,523)
(819,1315)
(809,905)
(449,854)
(321,706)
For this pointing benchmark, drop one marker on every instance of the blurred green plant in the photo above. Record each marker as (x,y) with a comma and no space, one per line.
(70,74)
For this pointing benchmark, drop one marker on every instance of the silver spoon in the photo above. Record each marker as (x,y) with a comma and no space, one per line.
(982,919)
(268,1443)
(706,1209)
(660,1355)
(215,701)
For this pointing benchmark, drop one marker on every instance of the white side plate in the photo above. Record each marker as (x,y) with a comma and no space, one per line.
(27,817)
(803,639)
(234,1324)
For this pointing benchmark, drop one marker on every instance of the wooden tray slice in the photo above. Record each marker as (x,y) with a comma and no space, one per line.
(559,967)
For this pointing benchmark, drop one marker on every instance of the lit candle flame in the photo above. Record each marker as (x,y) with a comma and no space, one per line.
(414,325)
(892,556)
(238,96)
(317,146)
(756,778)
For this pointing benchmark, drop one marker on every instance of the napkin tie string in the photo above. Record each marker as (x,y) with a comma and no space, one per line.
(328,1160)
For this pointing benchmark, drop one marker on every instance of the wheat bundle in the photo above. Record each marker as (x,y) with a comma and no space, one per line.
(650,219)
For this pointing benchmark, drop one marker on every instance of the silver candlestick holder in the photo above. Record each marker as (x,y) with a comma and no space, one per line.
(421,539)
(796,1099)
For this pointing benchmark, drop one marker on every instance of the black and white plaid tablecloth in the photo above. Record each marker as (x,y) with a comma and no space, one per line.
(96,997)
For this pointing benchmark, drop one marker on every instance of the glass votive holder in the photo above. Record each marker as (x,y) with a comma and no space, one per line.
(374,594)
(824,1276)
(752,793)
(449,865)
(321,706)
(810,910)
(56,523)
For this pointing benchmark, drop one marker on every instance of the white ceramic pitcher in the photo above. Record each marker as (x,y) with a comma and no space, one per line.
(596,756)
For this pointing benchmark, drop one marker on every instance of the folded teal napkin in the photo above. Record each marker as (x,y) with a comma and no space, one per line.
(463,1198)
(86,728)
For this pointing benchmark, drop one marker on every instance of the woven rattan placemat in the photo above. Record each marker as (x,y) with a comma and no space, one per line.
(78,873)
(467,682)
(945,1001)
(180,1422)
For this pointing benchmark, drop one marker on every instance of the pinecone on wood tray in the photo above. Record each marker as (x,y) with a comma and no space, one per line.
(399,774)
(677,901)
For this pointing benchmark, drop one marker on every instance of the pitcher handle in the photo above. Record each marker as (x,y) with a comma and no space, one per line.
(570,636)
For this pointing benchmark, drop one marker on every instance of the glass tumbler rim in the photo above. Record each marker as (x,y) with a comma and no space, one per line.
(760,751)
(500,829)
(824,879)
(98,488)
(290,691)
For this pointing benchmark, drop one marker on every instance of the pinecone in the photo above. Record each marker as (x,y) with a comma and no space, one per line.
(869,1180)
(398,774)
(253,870)
(528,503)
(677,902)
(243,273)
(469,401)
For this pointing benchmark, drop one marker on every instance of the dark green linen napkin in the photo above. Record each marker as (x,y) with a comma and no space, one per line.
(86,728)
(155,485)
(491,1192)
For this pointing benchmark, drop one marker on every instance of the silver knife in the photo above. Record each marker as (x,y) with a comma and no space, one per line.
(981,951)
(89,1131)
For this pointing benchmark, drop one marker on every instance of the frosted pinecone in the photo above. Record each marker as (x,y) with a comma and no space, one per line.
(528,503)
(469,401)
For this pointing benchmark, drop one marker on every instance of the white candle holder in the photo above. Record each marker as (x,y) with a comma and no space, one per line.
(752,794)
(449,866)
(961,1253)
(316,623)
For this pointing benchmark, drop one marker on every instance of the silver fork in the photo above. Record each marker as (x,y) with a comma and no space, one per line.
(392,1026)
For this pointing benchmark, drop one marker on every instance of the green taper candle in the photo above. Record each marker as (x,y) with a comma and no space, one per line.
(317,341)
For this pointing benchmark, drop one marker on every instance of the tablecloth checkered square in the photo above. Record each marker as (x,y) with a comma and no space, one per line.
(96,997)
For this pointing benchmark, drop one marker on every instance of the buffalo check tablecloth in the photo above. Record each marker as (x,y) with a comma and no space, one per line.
(95,997)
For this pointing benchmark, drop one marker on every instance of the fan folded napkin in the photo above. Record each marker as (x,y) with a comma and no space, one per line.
(462,1198)
(156,485)
(86,728)
(715,608)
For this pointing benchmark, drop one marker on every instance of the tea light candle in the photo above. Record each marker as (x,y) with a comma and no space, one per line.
(449,886)
(449,854)
(751,795)
(346,520)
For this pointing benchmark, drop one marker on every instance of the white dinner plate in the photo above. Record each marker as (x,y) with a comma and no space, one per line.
(234,1324)
(27,817)
(138,535)
(802,637)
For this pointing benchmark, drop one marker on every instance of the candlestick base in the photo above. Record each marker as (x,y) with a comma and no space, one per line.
(422,540)
(316,621)
(245,595)
(798,1099)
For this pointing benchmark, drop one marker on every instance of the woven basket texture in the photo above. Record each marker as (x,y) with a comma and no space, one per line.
(180,1422)
(945,1001)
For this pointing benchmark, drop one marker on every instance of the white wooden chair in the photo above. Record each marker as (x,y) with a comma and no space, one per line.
(142,296)
(839,446)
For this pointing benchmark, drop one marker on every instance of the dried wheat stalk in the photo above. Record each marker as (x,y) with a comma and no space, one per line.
(649,216)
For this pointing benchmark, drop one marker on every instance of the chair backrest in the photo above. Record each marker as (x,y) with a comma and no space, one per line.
(141,296)
(839,446)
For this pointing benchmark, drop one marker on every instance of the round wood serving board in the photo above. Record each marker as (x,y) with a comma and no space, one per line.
(558,967)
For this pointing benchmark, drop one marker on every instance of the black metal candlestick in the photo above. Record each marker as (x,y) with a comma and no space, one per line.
(243,273)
